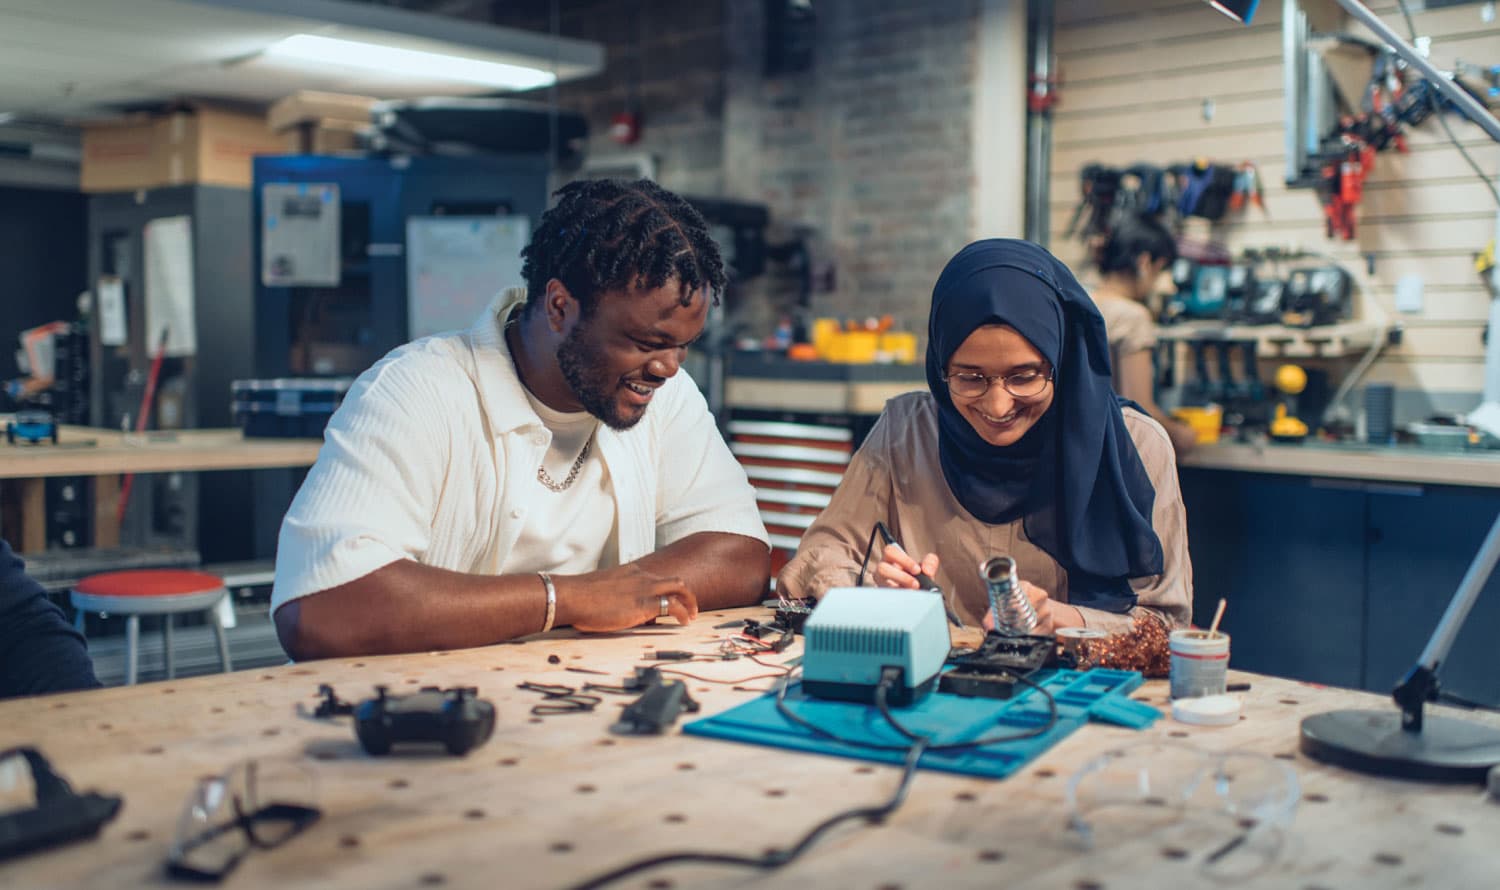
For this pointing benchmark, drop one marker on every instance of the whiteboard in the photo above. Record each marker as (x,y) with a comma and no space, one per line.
(455,265)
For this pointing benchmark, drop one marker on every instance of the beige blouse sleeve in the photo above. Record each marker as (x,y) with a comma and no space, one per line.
(1168,596)
(833,546)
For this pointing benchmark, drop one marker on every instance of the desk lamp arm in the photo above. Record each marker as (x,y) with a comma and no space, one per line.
(1420,685)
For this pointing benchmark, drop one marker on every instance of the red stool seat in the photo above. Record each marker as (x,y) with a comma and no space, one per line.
(163,592)
(150,582)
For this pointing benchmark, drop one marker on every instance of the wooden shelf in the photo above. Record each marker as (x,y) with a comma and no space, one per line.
(1280,341)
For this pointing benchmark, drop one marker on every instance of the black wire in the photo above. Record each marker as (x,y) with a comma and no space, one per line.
(869,548)
(789,714)
(919,746)
(1437,111)
(777,858)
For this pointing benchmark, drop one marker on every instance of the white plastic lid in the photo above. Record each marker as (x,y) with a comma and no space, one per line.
(1208,710)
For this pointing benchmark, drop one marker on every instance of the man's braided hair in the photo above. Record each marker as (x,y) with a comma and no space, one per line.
(607,235)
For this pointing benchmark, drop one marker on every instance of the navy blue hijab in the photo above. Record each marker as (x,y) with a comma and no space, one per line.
(1075,477)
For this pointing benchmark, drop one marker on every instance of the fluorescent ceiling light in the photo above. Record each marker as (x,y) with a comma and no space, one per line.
(416,63)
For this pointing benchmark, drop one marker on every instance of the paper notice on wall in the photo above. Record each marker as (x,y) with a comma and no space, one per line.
(110,294)
(455,265)
(169,285)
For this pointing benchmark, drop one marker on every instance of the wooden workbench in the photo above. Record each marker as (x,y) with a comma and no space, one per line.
(1394,464)
(105,455)
(551,801)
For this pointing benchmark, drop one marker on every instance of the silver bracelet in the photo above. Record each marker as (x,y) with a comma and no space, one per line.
(551,600)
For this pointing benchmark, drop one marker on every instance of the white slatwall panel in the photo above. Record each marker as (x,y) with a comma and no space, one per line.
(1135,75)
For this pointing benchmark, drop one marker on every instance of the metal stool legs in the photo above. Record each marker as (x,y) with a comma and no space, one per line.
(166,640)
(132,647)
(218,625)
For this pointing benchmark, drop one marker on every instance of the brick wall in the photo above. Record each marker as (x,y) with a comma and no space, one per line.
(663,58)
(869,151)
(870,148)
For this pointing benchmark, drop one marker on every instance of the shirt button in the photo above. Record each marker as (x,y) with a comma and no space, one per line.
(539,439)
(516,513)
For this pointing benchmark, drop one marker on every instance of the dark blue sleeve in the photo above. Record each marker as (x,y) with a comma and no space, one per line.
(40,651)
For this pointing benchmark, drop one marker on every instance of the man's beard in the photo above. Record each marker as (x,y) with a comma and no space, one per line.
(582,364)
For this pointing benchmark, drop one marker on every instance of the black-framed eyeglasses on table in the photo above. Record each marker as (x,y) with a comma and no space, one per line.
(255,805)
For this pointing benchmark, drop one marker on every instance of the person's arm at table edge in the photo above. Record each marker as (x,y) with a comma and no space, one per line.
(405,606)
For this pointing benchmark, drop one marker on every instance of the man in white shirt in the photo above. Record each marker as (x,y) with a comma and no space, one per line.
(546,467)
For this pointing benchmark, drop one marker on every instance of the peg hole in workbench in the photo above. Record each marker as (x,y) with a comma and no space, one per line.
(155,749)
(1087,884)
(475,814)
(1286,755)
(605,743)
(106,726)
(1290,701)
(1177,734)
(561,847)
(965,797)
(864,770)
(585,789)
(991,856)
(398,783)
(59,705)
(432,879)
(1388,859)
(1174,853)
(674,818)
(775,792)
(1315,797)
(509,761)
(534,720)
(348,841)
(140,834)
(1449,828)
(1045,773)
(660,884)
(686,766)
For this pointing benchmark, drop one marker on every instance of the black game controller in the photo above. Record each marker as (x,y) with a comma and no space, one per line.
(456,717)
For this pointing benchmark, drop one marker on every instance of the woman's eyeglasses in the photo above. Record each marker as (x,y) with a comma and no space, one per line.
(1027,384)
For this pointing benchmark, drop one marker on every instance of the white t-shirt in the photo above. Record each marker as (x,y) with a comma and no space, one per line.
(575,532)
(433,455)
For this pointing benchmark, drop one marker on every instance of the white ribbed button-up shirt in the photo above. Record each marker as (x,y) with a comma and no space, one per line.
(433,457)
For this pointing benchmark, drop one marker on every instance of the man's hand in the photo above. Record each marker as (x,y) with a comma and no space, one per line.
(897,569)
(621,598)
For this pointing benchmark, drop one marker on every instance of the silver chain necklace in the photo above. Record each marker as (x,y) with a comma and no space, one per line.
(541,471)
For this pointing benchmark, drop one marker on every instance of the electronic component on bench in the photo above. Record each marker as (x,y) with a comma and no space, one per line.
(858,632)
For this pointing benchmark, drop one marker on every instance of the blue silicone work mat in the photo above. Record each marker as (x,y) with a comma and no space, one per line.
(1095,694)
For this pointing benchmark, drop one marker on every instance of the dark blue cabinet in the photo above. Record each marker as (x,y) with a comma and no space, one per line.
(1341,581)
(1420,546)
(1289,555)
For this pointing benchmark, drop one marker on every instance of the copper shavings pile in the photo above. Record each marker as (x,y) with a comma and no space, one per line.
(1143,648)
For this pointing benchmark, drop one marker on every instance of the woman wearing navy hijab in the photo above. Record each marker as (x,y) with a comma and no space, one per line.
(1019,448)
